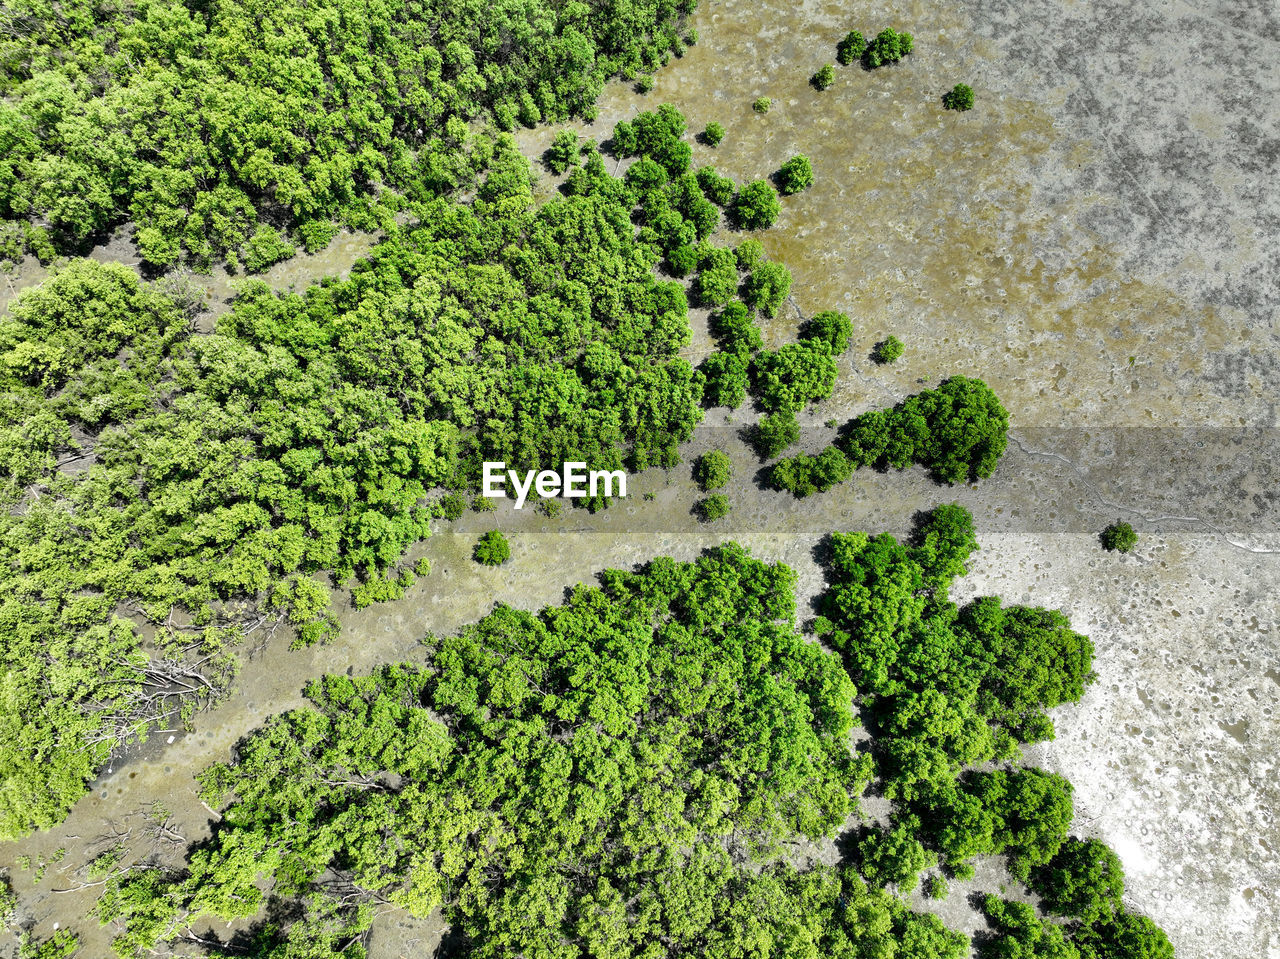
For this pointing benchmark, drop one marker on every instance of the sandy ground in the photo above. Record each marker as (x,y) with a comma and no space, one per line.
(1096,239)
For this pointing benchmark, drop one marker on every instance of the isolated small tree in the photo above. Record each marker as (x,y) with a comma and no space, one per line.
(713,507)
(959,97)
(775,433)
(935,887)
(713,134)
(762,105)
(757,205)
(851,48)
(824,77)
(492,549)
(796,174)
(712,470)
(563,152)
(1119,537)
(887,350)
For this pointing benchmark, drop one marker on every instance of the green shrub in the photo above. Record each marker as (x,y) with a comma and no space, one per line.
(563,152)
(958,432)
(893,856)
(888,46)
(624,139)
(492,549)
(795,175)
(712,470)
(831,327)
(683,260)
(851,48)
(1084,880)
(1124,936)
(959,97)
(713,134)
(766,287)
(775,433)
(888,350)
(793,376)
(716,188)
(824,77)
(1119,537)
(735,330)
(452,506)
(8,903)
(724,380)
(757,205)
(761,105)
(316,234)
(717,279)
(645,84)
(935,887)
(803,474)
(713,507)
(265,248)
(749,252)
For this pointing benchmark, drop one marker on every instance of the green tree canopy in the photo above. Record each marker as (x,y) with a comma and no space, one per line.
(199,122)
(757,205)
(582,775)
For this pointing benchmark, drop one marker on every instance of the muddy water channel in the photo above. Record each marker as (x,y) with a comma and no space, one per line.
(1088,240)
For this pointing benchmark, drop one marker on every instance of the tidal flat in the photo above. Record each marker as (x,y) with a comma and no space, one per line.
(1096,240)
